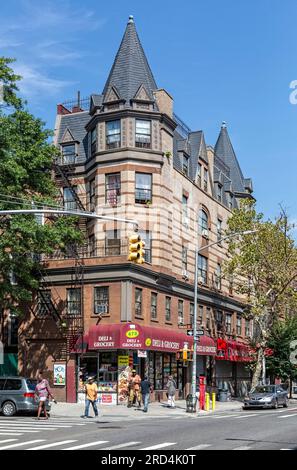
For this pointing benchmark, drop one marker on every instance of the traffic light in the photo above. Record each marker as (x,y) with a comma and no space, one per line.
(136,249)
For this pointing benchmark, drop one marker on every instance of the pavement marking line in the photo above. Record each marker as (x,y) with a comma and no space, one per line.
(25,426)
(245,416)
(200,446)
(89,444)
(120,446)
(8,431)
(36,425)
(20,444)
(11,434)
(160,446)
(53,444)
(242,448)
(287,416)
(225,416)
(7,440)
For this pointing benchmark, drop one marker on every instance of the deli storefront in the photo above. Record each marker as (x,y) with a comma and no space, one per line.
(109,352)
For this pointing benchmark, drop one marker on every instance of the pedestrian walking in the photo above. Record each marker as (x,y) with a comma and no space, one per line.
(91,392)
(42,394)
(171,389)
(134,389)
(146,388)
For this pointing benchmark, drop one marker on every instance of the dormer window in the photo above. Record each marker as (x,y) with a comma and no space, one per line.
(185,165)
(68,152)
(199,170)
(230,202)
(142,134)
(113,134)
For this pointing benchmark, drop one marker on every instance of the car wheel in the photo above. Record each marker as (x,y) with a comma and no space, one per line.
(286,403)
(9,408)
(275,405)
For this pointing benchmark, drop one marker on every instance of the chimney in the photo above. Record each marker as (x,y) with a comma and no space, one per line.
(164,102)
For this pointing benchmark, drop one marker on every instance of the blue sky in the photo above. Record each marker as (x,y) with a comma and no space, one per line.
(225,60)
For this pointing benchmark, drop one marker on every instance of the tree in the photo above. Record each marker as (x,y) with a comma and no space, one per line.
(264,268)
(26,158)
(282,334)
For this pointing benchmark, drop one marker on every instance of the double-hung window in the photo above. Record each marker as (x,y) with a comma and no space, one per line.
(101,300)
(112,243)
(219,230)
(229,323)
(184,258)
(146,237)
(138,302)
(205,180)
(168,309)
(218,277)
(93,141)
(73,302)
(69,198)
(92,195)
(68,154)
(113,134)
(180,312)
(203,223)
(143,188)
(199,171)
(238,325)
(113,188)
(202,269)
(143,133)
(154,298)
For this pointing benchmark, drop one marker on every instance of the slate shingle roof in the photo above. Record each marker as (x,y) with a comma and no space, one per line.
(76,123)
(130,68)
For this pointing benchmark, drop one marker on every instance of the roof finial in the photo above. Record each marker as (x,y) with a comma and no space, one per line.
(224,125)
(131,19)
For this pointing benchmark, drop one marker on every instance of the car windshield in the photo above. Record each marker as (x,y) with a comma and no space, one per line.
(264,389)
(31,384)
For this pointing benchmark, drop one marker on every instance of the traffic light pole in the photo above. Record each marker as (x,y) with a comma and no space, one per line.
(195,340)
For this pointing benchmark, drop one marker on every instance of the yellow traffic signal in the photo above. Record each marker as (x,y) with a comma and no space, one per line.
(185,354)
(136,249)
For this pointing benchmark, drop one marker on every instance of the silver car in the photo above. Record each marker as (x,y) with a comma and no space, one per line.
(266,396)
(18,394)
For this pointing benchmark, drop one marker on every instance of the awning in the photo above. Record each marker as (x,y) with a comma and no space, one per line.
(228,350)
(134,336)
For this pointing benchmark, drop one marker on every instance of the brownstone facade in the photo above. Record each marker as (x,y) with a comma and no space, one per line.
(128,157)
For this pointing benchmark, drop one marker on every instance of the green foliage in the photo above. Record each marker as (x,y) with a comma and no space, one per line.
(281,335)
(264,268)
(26,158)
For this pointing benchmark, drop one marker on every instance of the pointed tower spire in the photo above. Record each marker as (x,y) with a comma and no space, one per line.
(224,150)
(130,69)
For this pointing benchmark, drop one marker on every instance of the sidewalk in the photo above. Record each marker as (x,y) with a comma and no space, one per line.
(156,409)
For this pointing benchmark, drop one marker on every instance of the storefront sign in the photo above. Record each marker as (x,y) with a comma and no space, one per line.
(59,374)
(123,361)
(107,398)
(142,353)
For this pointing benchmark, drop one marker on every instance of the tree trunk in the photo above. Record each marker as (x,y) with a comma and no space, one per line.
(258,369)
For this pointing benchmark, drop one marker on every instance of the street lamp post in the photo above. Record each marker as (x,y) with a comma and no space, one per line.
(195,337)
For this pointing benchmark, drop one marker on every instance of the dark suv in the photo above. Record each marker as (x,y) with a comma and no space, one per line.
(17,394)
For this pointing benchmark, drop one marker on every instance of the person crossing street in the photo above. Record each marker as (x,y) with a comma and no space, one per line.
(91,391)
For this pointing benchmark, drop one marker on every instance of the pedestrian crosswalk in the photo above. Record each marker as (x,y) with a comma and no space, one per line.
(72,444)
(15,427)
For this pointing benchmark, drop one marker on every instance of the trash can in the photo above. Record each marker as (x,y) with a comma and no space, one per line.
(223,395)
(191,404)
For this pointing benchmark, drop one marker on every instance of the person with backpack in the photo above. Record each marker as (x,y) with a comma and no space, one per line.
(171,389)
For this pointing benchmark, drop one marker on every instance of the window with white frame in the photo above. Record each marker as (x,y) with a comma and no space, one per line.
(154,299)
(238,325)
(113,188)
(68,153)
(138,302)
(146,237)
(142,133)
(101,300)
(168,309)
(143,188)
(69,198)
(74,302)
(247,328)
(113,134)
(229,323)
(185,215)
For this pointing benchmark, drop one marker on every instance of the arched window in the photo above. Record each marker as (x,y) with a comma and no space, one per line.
(203,222)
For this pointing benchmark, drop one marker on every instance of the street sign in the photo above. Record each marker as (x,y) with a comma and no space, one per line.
(200,332)
(190,332)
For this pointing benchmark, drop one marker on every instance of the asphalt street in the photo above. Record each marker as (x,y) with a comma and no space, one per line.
(240,430)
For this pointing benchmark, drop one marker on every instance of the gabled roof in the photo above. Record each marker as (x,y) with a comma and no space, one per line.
(130,69)
(75,123)
(224,150)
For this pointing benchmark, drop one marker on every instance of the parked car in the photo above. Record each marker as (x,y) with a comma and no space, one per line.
(17,394)
(266,396)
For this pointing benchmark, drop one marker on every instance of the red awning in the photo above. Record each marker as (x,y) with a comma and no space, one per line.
(232,351)
(134,336)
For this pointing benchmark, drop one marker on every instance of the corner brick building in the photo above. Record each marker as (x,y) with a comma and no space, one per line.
(125,154)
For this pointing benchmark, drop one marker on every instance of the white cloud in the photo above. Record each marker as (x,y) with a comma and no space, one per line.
(34,82)
(8,43)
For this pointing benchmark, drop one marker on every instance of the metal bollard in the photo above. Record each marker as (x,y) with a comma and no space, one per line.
(207,401)
(213,398)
